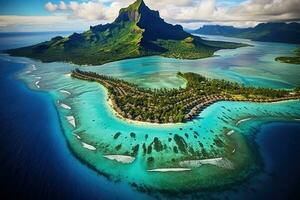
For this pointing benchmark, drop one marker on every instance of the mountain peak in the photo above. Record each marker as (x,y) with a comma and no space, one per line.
(137,4)
(150,21)
(132,12)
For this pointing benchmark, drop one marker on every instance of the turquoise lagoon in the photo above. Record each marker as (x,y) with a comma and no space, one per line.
(222,131)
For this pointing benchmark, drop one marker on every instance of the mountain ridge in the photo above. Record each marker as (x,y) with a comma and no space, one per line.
(264,32)
(137,31)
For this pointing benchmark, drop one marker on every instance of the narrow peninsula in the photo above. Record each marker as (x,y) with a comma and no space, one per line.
(178,105)
(138,31)
(291,59)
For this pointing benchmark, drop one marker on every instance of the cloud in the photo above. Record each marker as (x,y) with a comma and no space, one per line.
(88,10)
(14,23)
(266,10)
(6,20)
(189,13)
(51,6)
(246,12)
(62,5)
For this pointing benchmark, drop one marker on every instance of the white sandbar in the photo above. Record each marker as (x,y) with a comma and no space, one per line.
(219,162)
(77,136)
(65,92)
(242,120)
(37,84)
(71,120)
(170,170)
(121,158)
(87,146)
(230,132)
(65,106)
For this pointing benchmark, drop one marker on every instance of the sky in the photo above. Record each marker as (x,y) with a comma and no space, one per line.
(77,15)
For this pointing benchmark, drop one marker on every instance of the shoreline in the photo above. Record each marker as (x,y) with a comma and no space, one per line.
(135,122)
(192,108)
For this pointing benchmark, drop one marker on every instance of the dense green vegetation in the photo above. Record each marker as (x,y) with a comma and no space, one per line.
(178,105)
(290,60)
(136,32)
(265,32)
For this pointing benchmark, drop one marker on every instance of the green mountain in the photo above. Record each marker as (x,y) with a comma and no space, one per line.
(265,32)
(136,32)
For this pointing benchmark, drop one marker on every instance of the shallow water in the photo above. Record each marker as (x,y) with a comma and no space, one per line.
(96,125)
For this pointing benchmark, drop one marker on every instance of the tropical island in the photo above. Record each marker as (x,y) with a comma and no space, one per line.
(178,105)
(138,31)
(290,60)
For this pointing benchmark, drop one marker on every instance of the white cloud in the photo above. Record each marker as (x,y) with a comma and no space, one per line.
(51,7)
(186,12)
(266,10)
(6,20)
(12,23)
(88,10)
(189,13)
(62,5)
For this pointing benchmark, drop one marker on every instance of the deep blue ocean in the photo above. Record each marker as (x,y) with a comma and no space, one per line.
(35,162)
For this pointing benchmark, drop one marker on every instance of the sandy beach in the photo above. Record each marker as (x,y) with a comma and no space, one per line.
(65,106)
(65,92)
(37,84)
(170,170)
(120,158)
(230,132)
(87,146)
(243,120)
(130,121)
(33,67)
(77,136)
(71,120)
(219,162)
